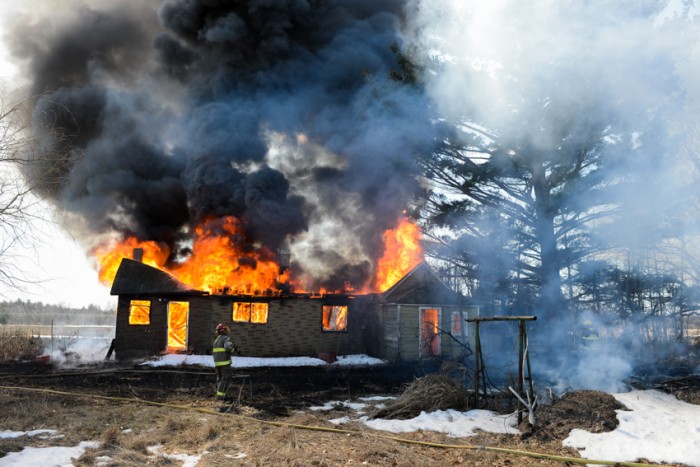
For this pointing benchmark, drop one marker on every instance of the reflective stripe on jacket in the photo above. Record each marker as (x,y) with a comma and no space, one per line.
(223,348)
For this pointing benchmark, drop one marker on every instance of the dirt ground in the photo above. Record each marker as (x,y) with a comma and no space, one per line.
(265,425)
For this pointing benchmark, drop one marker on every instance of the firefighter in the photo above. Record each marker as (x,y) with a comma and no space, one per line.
(223,349)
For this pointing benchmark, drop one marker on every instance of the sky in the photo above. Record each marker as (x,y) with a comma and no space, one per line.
(57,266)
(59,270)
(655,426)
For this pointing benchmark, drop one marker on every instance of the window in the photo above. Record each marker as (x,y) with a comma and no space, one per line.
(335,318)
(457,324)
(258,313)
(245,312)
(241,312)
(140,312)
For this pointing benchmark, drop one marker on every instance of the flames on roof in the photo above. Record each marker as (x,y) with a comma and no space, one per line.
(419,285)
(219,264)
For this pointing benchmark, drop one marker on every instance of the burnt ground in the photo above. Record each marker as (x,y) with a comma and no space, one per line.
(592,411)
(279,395)
(684,387)
(271,391)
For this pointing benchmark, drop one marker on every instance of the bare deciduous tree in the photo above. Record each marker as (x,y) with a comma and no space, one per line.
(16,202)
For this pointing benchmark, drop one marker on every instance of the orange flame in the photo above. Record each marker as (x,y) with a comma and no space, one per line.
(223,262)
(335,318)
(109,257)
(402,252)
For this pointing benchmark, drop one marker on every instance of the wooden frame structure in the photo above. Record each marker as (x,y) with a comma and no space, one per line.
(523,357)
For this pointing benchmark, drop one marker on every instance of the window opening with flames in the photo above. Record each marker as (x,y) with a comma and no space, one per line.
(140,312)
(335,318)
(457,329)
(246,312)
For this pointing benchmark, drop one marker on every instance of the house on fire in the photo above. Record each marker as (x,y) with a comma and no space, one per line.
(419,317)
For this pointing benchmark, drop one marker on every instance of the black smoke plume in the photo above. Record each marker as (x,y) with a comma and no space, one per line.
(152,117)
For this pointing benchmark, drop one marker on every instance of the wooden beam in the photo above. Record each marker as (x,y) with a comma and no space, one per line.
(501,318)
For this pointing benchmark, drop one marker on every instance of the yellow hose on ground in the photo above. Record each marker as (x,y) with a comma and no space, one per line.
(536,455)
(58,374)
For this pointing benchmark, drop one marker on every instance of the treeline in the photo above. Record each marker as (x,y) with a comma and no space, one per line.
(38,313)
(660,305)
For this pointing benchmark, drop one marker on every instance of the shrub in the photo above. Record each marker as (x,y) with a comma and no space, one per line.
(16,345)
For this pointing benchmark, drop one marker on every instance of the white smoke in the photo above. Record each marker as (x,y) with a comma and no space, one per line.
(521,68)
(509,60)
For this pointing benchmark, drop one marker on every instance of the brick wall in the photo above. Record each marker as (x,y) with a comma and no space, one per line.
(293,328)
(200,327)
(140,340)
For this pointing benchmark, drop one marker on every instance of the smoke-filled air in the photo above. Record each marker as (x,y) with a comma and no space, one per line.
(272,126)
(567,176)
(542,155)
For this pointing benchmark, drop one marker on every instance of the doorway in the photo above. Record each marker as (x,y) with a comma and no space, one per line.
(429,332)
(178,316)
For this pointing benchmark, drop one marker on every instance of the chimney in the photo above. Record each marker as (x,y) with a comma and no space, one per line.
(137,255)
(284,258)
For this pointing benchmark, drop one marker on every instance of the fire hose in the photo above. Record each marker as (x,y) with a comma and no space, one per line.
(98,372)
(516,452)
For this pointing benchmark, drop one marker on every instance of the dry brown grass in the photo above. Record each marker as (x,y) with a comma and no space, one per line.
(112,437)
(230,439)
(18,345)
(286,440)
(126,431)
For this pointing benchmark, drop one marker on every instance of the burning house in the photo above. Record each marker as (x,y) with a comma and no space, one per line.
(421,317)
(157,314)
(211,136)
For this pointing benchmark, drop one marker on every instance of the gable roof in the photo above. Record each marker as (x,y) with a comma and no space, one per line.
(421,285)
(134,278)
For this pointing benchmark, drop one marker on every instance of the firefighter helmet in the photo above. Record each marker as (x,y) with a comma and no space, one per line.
(221,328)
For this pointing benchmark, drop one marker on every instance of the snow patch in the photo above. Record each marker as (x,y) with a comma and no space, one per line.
(53,456)
(16,434)
(451,422)
(657,427)
(187,460)
(258,362)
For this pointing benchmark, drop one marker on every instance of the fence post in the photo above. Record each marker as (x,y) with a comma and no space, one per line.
(521,376)
(477,370)
(523,356)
